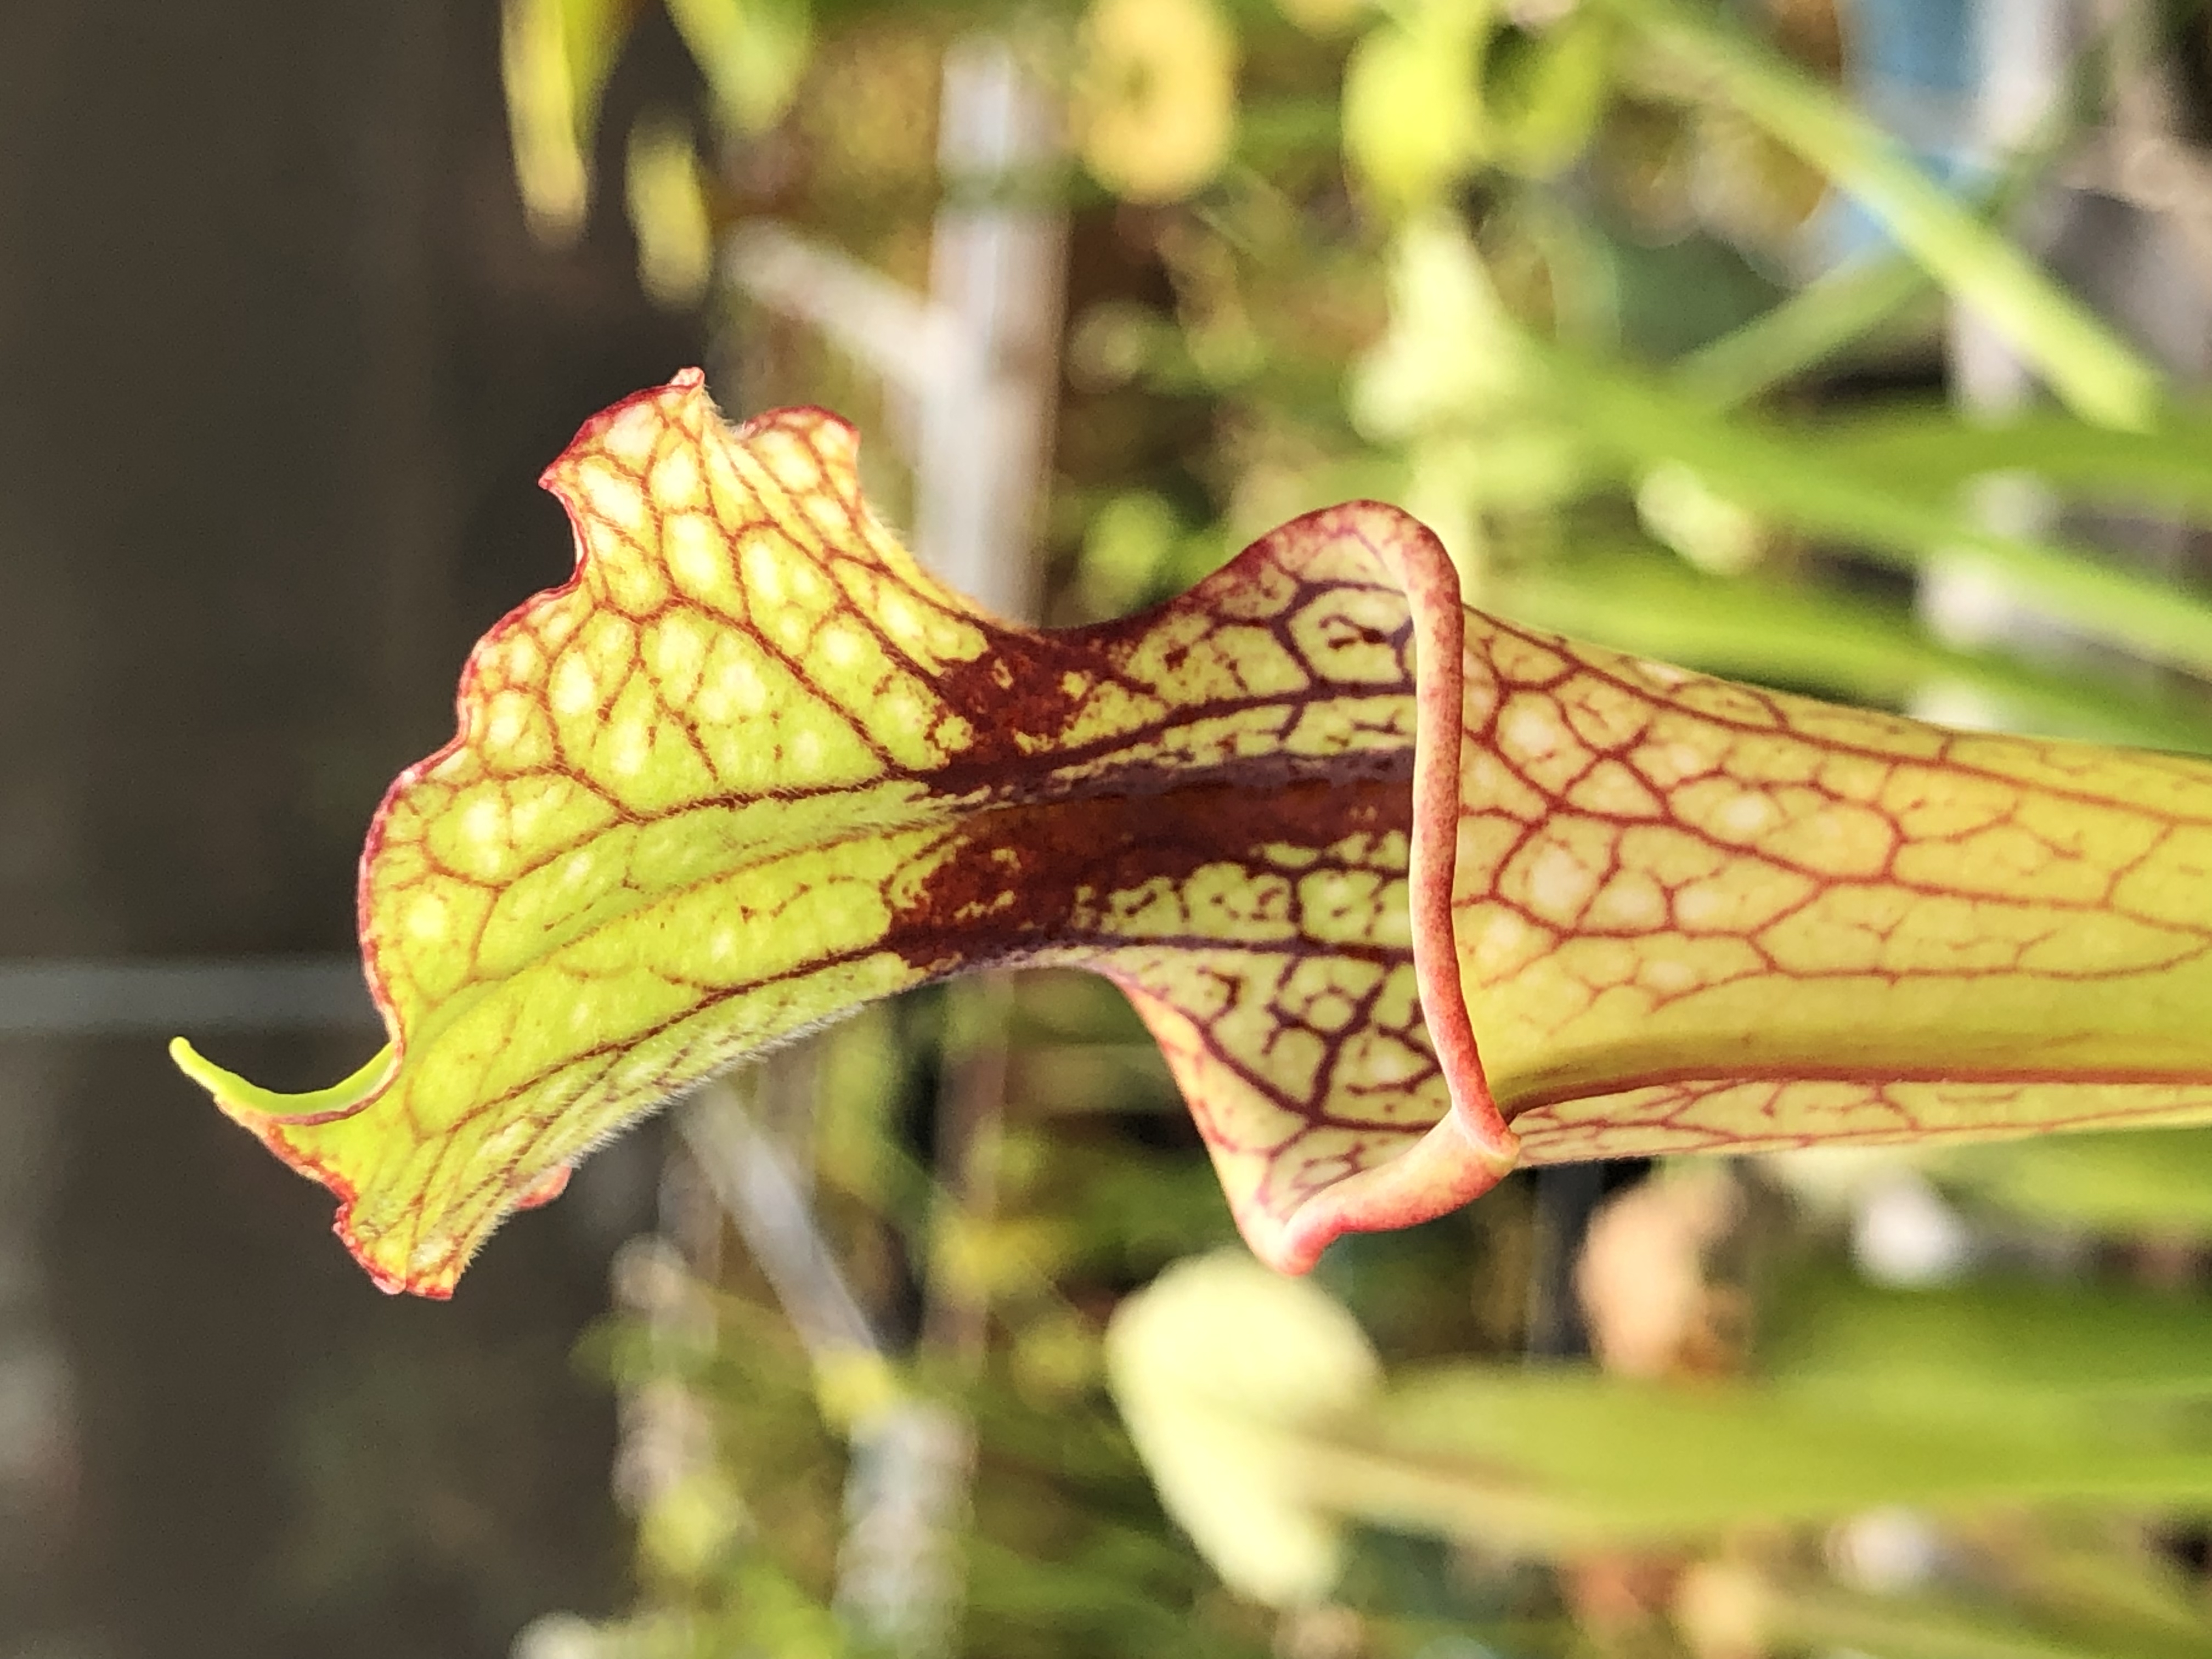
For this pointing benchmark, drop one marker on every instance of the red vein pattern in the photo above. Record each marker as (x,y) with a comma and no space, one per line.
(753,766)
(1695,916)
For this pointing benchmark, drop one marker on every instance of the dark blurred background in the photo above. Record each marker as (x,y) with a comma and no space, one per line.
(279,362)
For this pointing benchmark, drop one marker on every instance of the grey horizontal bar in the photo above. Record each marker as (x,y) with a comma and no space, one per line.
(63,996)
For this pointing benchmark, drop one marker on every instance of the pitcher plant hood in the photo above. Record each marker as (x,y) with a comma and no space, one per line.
(753,766)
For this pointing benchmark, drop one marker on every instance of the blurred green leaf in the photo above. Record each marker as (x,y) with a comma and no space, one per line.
(1924,1626)
(1804,637)
(2098,375)
(1994,1339)
(1802,480)
(1843,306)
(1243,1395)
(1801,331)
(753,53)
(1560,1461)
(1929,451)
(554,58)
(2156,1184)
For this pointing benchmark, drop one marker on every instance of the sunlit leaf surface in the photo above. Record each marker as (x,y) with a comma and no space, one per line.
(753,766)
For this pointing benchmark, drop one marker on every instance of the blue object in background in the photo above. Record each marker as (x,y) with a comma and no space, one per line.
(1913,66)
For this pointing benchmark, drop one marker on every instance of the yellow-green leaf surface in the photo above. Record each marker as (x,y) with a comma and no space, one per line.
(753,766)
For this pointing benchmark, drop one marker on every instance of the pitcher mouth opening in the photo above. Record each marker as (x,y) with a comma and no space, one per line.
(1333,645)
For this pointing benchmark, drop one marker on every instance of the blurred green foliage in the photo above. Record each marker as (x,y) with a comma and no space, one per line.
(1542,273)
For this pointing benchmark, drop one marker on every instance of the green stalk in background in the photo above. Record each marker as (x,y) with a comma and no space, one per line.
(2090,369)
